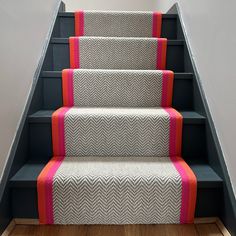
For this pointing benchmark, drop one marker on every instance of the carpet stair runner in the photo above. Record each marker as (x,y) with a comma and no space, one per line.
(118,24)
(118,53)
(117,140)
(117,88)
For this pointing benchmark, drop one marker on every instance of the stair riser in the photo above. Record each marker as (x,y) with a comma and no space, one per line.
(60,57)
(52,93)
(193,145)
(65,26)
(208,201)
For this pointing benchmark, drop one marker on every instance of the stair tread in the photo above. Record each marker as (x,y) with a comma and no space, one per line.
(164,16)
(55,74)
(170,42)
(44,116)
(27,175)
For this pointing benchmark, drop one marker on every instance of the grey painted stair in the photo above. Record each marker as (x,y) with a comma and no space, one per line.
(24,183)
(44,116)
(118,88)
(193,144)
(27,175)
(182,91)
(60,53)
(65,22)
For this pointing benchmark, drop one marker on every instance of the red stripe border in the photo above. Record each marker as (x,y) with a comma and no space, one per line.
(175,133)
(189,190)
(67,87)
(161,53)
(167,88)
(156,24)
(58,134)
(79,23)
(74,52)
(45,190)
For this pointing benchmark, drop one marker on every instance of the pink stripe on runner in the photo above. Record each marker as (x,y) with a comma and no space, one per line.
(49,189)
(61,130)
(164,98)
(70,87)
(159,54)
(81,24)
(154,24)
(185,190)
(172,153)
(76,52)
(172,141)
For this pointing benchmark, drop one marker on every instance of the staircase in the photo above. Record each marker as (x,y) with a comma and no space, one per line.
(124,75)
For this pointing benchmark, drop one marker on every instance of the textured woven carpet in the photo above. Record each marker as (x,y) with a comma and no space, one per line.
(118,53)
(117,190)
(116,132)
(117,140)
(117,88)
(118,24)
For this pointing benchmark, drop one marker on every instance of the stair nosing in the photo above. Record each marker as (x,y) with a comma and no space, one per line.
(46,117)
(170,42)
(164,16)
(57,74)
(18,183)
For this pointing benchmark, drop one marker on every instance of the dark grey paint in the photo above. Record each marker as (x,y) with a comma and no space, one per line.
(174,58)
(19,151)
(52,91)
(66,25)
(24,183)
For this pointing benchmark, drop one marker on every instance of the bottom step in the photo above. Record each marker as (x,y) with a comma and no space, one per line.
(24,190)
(116,190)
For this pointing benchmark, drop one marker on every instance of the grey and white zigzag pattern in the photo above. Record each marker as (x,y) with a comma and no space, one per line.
(117,132)
(88,197)
(118,53)
(117,88)
(118,24)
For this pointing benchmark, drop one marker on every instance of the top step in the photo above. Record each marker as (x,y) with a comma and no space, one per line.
(116,24)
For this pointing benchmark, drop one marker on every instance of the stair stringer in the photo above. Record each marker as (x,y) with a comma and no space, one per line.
(19,149)
(215,155)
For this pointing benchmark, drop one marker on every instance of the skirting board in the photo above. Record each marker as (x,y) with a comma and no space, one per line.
(22,221)
(213,220)
(209,220)
(9,228)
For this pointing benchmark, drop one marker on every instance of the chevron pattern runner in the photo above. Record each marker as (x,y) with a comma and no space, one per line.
(118,53)
(116,132)
(118,190)
(118,24)
(117,140)
(117,88)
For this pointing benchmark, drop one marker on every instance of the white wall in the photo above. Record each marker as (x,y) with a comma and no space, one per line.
(24,25)
(115,5)
(211,31)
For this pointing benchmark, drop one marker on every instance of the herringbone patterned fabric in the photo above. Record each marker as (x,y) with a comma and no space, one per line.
(116,132)
(118,88)
(118,190)
(118,24)
(118,53)
(117,141)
